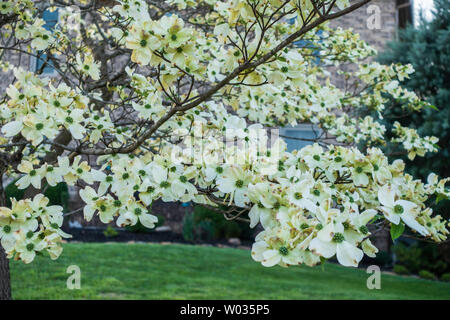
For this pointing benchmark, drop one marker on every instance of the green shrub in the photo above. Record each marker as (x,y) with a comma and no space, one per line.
(194,229)
(140,228)
(207,224)
(205,230)
(421,256)
(188,227)
(110,232)
(11,191)
(399,269)
(425,274)
(383,258)
(408,256)
(57,195)
(445,277)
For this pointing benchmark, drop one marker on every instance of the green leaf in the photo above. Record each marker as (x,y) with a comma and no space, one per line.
(376,218)
(397,230)
(440,197)
(432,107)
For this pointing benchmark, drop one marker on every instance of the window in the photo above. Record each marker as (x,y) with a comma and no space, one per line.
(51,19)
(404,13)
(293,136)
(308,43)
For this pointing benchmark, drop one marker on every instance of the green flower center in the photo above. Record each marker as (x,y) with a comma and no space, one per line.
(183,179)
(50,169)
(32,173)
(364,230)
(283,251)
(117,203)
(125,176)
(304,226)
(164,184)
(103,208)
(69,119)
(316,192)
(39,126)
(143,43)
(338,237)
(219,170)
(376,167)
(173,37)
(298,195)
(359,170)
(109,179)
(138,211)
(239,183)
(316,157)
(398,209)
(7,229)
(54,225)
(30,234)
(319,226)
(30,246)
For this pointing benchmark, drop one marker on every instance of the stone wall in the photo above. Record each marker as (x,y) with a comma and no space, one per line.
(360,21)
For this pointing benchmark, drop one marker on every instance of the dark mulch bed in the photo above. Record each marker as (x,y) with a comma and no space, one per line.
(96,235)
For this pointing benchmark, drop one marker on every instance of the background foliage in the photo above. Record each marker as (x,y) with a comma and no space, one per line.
(58,195)
(427,48)
(206,224)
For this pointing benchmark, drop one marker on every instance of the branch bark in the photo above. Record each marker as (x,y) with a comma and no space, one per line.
(5,283)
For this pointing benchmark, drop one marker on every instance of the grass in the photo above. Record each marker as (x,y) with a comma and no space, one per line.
(154,271)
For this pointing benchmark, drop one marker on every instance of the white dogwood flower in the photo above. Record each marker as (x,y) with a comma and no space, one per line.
(399,210)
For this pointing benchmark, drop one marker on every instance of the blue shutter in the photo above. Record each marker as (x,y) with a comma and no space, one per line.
(293,144)
(51,19)
(307,43)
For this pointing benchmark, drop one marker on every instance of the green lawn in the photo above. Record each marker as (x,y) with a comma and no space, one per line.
(152,271)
